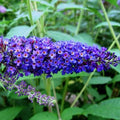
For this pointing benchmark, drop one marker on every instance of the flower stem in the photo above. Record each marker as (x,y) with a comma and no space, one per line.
(34,107)
(47,84)
(64,94)
(97,33)
(109,24)
(40,25)
(57,107)
(48,90)
(30,14)
(113,43)
(80,18)
(78,96)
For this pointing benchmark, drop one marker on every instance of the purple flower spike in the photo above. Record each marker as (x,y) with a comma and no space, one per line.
(40,55)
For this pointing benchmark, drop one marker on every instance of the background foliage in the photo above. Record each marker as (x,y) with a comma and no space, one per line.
(62,20)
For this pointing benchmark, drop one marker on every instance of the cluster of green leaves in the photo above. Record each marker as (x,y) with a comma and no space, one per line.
(58,20)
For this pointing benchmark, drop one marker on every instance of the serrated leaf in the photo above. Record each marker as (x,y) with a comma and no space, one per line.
(59,36)
(69,112)
(44,116)
(10,113)
(113,23)
(30,77)
(106,109)
(65,6)
(100,80)
(20,31)
(59,75)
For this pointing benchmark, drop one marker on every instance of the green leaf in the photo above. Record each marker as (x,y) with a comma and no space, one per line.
(96,12)
(59,75)
(100,80)
(84,38)
(93,4)
(30,77)
(36,15)
(57,81)
(116,51)
(2,85)
(106,109)
(57,78)
(114,13)
(70,28)
(44,116)
(117,68)
(15,96)
(10,113)
(91,117)
(113,2)
(108,91)
(3,67)
(113,23)
(43,2)
(59,36)
(20,31)
(69,112)
(66,6)
(95,94)
(116,78)
(19,16)
(53,2)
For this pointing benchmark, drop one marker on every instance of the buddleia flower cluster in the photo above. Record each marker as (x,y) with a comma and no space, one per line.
(23,89)
(38,56)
